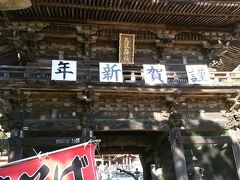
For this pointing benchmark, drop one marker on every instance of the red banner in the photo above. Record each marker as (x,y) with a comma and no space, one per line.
(73,163)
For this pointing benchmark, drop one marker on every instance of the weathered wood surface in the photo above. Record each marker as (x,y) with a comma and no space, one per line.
(205,120)
(120,110)
(206,140)
(116,139)
(116,124)
(52,125)
(91,35)
(16,146)
(236,154)
(234,134)
(123,150)
(126,124)
(51,141)
(178,154)
(118,107)
(132,139)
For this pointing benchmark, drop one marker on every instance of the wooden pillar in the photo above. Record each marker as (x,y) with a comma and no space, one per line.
(236,154)
(236,149)
(15,147)
(87,134)
(164,166)
(178,154)
(158,165)
(146,167)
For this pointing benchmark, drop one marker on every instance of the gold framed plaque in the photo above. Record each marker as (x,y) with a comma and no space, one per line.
(126,48)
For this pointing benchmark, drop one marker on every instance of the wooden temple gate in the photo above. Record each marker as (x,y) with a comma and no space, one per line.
(192,130)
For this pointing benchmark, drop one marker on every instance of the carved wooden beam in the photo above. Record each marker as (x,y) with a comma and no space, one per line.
(55,125)
(235,103)
(126,124)
(132,139)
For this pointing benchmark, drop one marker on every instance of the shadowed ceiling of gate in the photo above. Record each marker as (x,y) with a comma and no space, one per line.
(169,12)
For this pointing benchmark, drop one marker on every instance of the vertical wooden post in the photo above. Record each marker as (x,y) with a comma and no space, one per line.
(15,149)
(158,165)
(146,167)
(236,149)
(178,154)
(236,154)
(86,118)
(85,136)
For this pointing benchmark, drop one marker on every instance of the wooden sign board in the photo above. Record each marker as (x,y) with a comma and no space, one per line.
(126,48)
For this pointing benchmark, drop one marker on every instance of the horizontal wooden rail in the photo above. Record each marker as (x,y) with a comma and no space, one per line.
(51,141)
(130,75)
(206,140)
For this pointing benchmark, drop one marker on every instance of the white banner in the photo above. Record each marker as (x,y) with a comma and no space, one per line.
(110,72)
(64,70)
(198,74)
(154,74)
